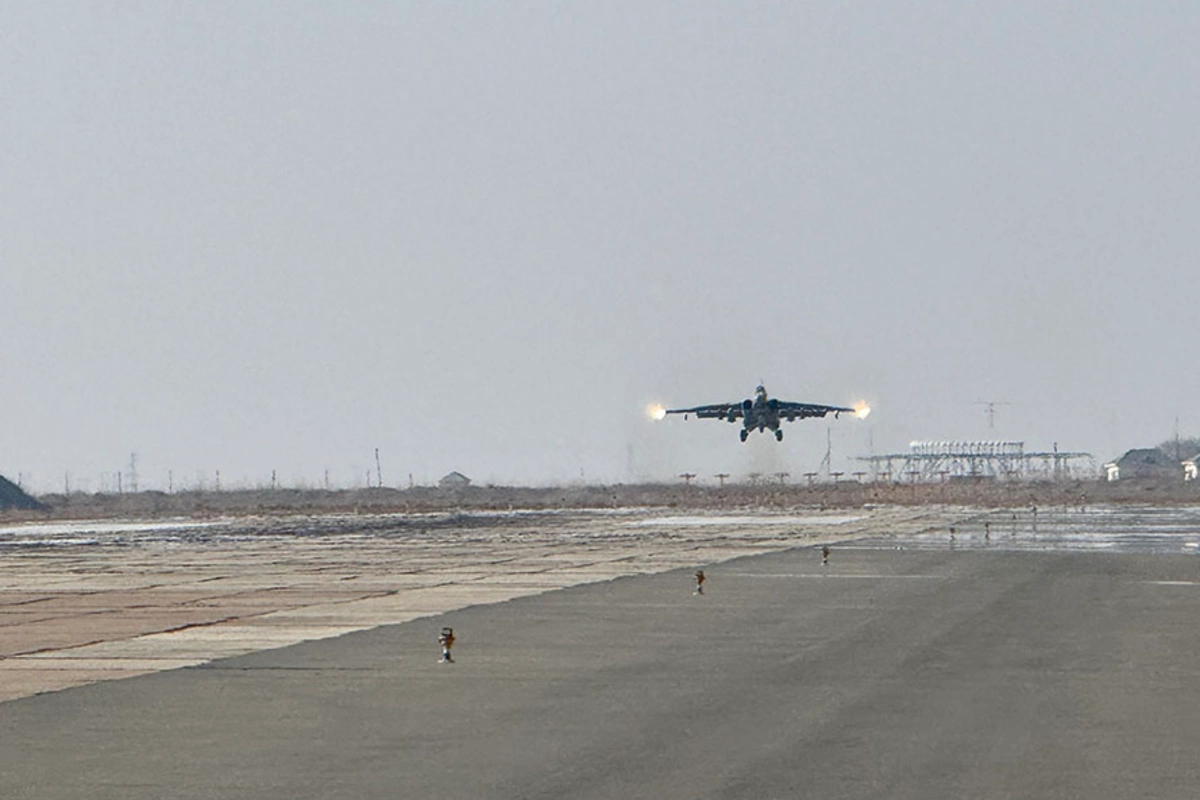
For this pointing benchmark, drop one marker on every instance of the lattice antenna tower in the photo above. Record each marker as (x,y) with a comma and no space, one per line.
(826,462)
(990,409)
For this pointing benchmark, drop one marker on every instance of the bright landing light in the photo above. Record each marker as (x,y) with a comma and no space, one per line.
(861,409)
(656,411)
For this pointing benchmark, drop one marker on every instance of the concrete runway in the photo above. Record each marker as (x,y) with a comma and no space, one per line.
(888,674)
(88,601)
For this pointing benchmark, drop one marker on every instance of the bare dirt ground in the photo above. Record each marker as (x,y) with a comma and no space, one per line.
(983,494)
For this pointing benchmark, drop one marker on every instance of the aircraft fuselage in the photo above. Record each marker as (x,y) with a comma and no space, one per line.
(761,414)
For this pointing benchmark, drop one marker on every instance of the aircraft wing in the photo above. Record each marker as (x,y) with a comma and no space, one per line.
(795,411)
(716,411)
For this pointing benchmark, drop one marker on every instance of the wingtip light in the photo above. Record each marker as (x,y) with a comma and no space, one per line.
(656,411)
(862,410)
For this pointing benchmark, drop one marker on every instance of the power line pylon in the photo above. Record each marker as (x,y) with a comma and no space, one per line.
(990,409)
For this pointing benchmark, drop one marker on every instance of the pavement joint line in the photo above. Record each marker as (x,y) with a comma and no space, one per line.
(831,575)
(51,649)
(212,665)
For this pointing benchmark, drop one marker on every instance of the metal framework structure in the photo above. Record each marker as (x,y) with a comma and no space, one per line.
(933,461)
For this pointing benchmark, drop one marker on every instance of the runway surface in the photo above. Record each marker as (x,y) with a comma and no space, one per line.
(924,672)
(86,601)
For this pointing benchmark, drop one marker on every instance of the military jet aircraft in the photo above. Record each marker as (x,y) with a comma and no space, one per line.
(762,413)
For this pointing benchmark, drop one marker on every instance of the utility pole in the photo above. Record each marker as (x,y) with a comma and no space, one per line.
(721,476)
(990,410)
(133,481)
(378,470)
(687,477)
(827,461)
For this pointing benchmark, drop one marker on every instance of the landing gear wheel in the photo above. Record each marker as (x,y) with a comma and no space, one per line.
(779,435)
(743,433)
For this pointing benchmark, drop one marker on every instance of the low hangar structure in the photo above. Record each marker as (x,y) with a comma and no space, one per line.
(1148,464)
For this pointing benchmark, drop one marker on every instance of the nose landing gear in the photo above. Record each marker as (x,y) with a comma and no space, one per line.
(779,434)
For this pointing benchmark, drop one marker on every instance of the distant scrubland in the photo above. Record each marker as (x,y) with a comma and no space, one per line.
(731,497)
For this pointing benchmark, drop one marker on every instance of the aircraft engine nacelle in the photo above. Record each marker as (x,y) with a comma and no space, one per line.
(773,404)
(732,416)
(747,404)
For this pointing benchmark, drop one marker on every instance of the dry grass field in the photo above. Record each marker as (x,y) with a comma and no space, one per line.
(848,494)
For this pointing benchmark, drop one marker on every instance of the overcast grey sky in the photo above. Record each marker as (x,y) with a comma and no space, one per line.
(246,236)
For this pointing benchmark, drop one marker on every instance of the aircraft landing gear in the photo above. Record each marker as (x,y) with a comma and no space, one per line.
(743,433)
(778,435)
